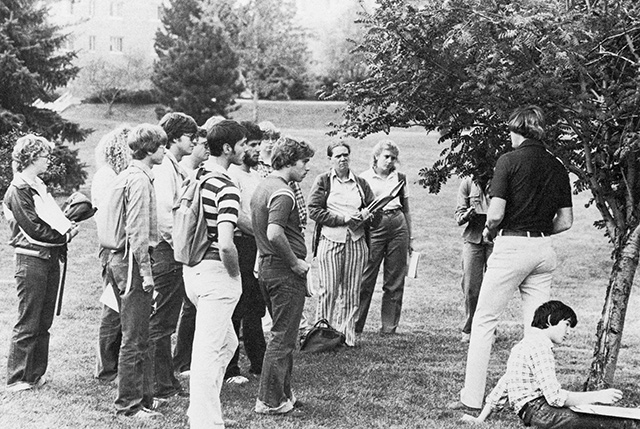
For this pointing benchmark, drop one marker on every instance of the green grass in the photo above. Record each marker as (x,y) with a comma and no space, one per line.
(397,382)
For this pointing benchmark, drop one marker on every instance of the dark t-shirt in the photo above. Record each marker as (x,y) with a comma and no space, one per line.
(274,202)
(534,183)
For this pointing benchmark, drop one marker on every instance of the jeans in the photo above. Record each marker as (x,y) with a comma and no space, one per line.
(184,337)
(517,264)
(389,241)
(134,363)
(109,334)
(249,311)
(169,286)
(37,286)
(215,294)
(474,263)
(286,293)
(341,266)
(542,415)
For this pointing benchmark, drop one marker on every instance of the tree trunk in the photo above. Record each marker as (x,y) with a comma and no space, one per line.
(609,330)
(254,92)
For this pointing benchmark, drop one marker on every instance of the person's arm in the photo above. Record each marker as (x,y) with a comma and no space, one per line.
(606,396)
(563,220)
(495,214)
(244,223)
(20,203)
(227,248)
(165,186)
(463,210)
(496,399)
(137,225)
(318,204)
(278,239)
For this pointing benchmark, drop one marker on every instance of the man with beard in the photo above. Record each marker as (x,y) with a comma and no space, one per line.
(251,307)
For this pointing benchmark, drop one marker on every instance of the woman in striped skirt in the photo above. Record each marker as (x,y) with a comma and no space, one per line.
(338,204)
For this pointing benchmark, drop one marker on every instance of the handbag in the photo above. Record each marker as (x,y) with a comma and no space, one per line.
(322,338)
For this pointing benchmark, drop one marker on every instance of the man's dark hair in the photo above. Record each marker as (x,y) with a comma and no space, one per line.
(287,151)
(528,122)
(336,144)
(145,139)
(224,132)
(177,124)
(253,131)
(553,312)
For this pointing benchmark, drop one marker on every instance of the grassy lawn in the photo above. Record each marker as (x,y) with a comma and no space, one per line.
(398,382)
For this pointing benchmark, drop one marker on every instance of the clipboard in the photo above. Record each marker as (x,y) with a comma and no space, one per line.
(608,410)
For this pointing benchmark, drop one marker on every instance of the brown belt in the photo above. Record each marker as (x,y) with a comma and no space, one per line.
(508,232)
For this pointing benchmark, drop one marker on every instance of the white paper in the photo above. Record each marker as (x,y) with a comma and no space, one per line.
(414,260)
(48,211)
(109,299)
(608,410)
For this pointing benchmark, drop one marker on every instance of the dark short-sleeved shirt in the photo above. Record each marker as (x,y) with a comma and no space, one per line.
(534,183)
(274,202)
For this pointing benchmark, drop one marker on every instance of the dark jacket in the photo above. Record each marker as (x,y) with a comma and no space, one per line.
(317,205)
(30,235)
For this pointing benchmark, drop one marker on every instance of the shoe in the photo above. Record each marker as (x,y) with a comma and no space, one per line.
(144,414)
(459,406)
(464,338)
(238,379)
(284,408)
(41,382)
(19,386)
(185,373)
(296,413)
(159,402)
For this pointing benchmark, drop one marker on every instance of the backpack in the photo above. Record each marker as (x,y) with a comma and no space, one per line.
(189,234)
(111,214)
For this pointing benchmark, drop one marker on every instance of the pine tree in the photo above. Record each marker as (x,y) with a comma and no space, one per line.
(197,70)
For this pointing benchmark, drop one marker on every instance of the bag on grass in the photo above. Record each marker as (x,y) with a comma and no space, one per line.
(322,338)
(189,234)
(110,215)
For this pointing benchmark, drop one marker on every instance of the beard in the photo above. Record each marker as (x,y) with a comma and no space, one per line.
(249,160)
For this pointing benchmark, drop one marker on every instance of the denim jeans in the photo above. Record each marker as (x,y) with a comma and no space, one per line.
(215,294)
(517,264)
(184,337)
(542,415)
(134,364)
(474,263)
(169,286)
(109,334)
(286,293)
(249,311)
(389,241)
(37,286)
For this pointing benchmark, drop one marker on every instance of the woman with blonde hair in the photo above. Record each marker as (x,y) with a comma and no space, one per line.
(390,240)
(39,234)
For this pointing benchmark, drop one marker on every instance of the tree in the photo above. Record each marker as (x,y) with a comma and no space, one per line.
(461,66)
(272,48)
(197,69)
(32,67)
(109,79)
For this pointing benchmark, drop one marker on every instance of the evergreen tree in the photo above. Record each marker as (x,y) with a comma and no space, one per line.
(32,67)
(197,70)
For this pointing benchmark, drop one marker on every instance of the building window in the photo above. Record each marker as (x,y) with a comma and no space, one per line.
(92,43)
(92,7)
(115,44)
(115,8)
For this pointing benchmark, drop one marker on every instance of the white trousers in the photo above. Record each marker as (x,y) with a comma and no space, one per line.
(517,264)
(215,295)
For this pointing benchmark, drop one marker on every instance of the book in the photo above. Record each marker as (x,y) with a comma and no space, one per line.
(412,266)
(608,410)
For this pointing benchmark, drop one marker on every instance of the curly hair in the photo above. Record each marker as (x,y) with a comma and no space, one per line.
(382,145)
(113,149)
(287,151)
(29,148)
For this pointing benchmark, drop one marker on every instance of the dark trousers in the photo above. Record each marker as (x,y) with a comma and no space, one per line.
(109,334)
(540,414)
(134,364)
(389,241)
(184,337)
(286,293)
(169,286)
(249,311)
(37,286)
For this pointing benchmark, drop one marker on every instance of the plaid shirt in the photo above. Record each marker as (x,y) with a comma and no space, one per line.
(265,169)
(531,374)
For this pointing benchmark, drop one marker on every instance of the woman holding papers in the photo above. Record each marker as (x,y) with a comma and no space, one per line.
(39,233)
(338,204)
(390,240)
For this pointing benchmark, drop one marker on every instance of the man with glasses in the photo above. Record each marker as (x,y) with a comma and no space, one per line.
(182,134)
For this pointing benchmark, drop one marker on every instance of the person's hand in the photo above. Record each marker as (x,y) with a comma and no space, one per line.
(147,283)
(73,231)
(608,396)
(487,235)
(470,419)
(364,214)
(470,213)
(300,268)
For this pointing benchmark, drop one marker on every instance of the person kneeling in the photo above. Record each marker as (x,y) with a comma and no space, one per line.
(530,382)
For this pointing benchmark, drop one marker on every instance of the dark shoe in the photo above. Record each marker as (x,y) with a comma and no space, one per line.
(459,406)
(295,413)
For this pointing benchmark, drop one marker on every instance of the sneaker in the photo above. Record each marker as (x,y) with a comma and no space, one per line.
(159,402)
(19,386)
(145,414)
(238,379)
(464,338)
(41,382)
(284,408)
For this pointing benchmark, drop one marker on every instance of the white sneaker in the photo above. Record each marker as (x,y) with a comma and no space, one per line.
(145,414)
(19,386)
(238,379)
